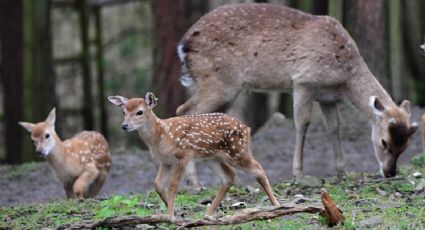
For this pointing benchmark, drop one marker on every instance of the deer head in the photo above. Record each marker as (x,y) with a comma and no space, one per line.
(42,134)
(136,110)
(391,130)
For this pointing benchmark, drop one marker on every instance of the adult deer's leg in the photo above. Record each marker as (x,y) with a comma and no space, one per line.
(210,95)
(160,180)
(227,177)
(192,176)
(332,121)
(302,110)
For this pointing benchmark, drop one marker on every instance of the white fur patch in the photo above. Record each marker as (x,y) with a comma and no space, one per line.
(372,106)
(423,47)
(180,52)
(186,80)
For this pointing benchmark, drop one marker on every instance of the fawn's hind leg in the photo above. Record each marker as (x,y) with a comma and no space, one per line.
(81,185)
(252,166)
(98,183)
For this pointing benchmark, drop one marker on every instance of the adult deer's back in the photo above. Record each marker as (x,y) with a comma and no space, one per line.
(265,47)
(261,47)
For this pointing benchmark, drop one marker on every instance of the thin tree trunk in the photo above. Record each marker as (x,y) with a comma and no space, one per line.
(170,23)
(39,80)
(85,62)
(396,50)
(365,21)
(413,35)
(11,37)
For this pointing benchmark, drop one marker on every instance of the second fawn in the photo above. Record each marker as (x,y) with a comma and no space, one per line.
(220,140)
(81,163)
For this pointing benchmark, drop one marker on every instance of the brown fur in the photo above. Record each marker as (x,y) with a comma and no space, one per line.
(264,47)
(81,163)
(219,139)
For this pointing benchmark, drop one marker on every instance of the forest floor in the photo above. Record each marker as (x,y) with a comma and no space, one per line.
(129,187)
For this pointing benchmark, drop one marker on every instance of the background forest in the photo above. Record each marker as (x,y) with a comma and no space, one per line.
(71,54)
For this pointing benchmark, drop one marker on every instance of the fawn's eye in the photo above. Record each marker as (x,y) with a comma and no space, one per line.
(47,136)
(123,112)
(140,112)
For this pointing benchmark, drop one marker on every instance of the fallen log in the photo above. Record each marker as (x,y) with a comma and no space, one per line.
(244,216)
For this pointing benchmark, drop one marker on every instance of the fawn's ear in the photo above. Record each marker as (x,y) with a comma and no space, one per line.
(150,100)
(376,105)
(52,117)
(118,100)
(28,126)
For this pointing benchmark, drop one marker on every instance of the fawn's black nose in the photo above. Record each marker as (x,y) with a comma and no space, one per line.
(39,153)
(124,126)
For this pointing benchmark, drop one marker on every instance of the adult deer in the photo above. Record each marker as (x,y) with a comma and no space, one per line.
(81,163)
(264,47)
(218,139)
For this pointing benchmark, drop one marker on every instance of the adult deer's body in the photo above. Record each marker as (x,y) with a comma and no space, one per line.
(81,163)
(220,140)
(264,47)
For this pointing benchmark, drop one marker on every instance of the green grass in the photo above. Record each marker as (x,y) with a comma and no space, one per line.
(399,207)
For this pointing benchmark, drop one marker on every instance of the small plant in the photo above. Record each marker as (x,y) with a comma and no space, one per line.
(419,160)
(119,205)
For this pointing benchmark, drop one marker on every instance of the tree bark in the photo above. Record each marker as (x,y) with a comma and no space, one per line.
(170,23)
(414,29)
(365,21)
(11,36)
(39,79)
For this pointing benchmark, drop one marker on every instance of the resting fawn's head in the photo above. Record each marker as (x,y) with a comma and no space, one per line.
(391,131)
(136,110)
(42,134)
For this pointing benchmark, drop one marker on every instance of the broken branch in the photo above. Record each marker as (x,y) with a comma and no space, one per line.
(244,216)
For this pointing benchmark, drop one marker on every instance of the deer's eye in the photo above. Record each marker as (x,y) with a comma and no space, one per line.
(123,112)
(140,112)
(47,136)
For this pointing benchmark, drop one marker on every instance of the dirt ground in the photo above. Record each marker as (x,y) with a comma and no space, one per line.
(273,145)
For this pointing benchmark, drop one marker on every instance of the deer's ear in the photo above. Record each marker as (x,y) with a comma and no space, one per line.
(52,117)
(118,100)
(376,105)
(406,105)
(28,126)
(150,100)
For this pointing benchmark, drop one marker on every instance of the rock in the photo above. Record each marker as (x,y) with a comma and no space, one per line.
(299,196)
(371,221)
(387,205)
(410,179)
(417,174)
(397,195)
(410,215)
(251,189)
(421,186)
(381,192)
(238,205)
(309,181)
(206,202)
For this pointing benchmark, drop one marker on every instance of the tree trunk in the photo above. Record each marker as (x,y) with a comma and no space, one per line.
(170,23)
(413,35)
(11,37)
(39,80)
(365,21)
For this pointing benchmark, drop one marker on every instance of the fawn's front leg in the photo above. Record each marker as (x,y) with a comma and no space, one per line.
(68,191)
(83,182)
(160,180)
(175,179)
